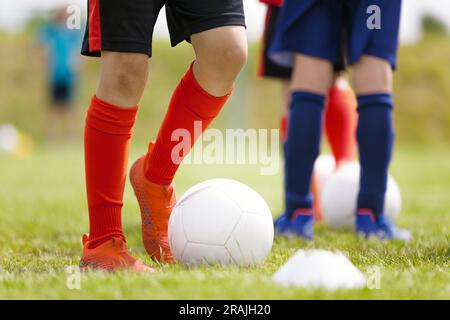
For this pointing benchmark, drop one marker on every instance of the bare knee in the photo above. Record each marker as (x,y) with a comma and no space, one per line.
(312,74)
(372,75)
(230,59)
(122,78)
(221,55)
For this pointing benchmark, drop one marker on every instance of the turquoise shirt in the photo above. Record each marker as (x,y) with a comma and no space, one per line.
(62,45)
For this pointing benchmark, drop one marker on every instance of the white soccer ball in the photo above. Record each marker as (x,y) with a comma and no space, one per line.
(221,221)
(339,196)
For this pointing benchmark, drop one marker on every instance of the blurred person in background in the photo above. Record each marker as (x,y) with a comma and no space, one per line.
(309,38)
(61,51)
(340,110)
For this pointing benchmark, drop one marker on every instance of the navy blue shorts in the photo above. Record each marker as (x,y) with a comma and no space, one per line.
(314,28)
(269,68)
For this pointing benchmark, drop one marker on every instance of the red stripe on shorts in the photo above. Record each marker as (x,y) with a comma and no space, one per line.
(95,34)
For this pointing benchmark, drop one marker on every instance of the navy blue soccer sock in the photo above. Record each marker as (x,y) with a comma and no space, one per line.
(301,148)
(375,136)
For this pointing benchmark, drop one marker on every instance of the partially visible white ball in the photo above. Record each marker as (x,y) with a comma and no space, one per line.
(221,221)
(9,138)
(323,170)
(339,197)
(393,199)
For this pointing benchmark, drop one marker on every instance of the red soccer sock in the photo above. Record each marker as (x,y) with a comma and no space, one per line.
(340,123)
(190,103)
(107,140)
(284,121)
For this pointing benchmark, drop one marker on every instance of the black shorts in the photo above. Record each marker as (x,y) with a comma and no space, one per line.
(127,25)
(269,68)
(61,93)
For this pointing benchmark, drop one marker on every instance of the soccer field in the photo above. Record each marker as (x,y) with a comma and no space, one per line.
(43,215)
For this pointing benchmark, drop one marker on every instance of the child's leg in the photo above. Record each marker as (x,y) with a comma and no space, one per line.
(199,97)
(375,134)
(311,81)
(108,130)
(373,83)
(220,55)
(340,121)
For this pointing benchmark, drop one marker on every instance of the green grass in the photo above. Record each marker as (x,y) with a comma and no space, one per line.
(43,215)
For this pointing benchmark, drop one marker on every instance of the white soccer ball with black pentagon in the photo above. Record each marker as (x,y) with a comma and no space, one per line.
(221,221)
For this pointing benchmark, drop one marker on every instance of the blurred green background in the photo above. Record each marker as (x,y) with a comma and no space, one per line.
(422,88)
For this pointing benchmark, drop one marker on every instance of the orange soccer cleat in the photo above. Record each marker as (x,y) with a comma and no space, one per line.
(156,203)
(111,255)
